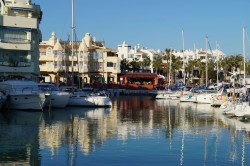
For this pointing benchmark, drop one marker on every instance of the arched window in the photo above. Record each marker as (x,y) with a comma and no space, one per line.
(49,51)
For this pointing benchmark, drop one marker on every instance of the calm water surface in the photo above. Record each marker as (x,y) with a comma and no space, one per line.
(135,131)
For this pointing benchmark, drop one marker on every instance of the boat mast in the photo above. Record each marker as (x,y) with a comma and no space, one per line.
(72,43)
(206,61)
(183,58)
(170,67)
(244,56)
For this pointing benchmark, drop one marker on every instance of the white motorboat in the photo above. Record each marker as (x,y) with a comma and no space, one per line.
(23,95)
(189,96)
(206,96)
(83,99)
(227,107)
(3,98)
(169,95)
(242,110)
(57,98)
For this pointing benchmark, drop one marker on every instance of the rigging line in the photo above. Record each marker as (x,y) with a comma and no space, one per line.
(210,47)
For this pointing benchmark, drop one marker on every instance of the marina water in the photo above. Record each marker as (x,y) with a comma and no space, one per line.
(137,130)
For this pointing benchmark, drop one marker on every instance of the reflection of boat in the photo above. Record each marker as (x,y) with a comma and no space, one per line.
(57,99)
(3,98)
(18,131)
(23,94)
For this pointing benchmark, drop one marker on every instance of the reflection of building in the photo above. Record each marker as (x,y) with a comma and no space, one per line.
(93,63)
(19,38)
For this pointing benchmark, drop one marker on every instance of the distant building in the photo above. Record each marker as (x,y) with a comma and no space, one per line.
(92,62)
(199,54)
(125,51)
(19,39)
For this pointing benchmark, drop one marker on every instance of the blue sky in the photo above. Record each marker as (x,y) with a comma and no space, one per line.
(155,24)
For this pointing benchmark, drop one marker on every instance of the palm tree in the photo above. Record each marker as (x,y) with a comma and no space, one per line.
(157,63)
(202,70)
(135,65)
(124,65)
(226,66)
(146,62)
(176,66)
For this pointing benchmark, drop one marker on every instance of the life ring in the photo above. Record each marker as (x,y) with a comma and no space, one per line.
(219,97)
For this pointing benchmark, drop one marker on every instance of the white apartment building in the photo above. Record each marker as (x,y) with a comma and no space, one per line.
(92,61)
(199,54)
(19,38)
(125,51)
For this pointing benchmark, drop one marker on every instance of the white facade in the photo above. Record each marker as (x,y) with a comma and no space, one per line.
(19,38)
(199,54)
(126,52)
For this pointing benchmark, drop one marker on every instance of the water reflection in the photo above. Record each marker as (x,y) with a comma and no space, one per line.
(39,138)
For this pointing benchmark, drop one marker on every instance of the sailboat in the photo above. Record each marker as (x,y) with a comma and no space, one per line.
(243,109)
(79,97)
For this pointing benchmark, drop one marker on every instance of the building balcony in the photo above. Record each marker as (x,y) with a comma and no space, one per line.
(15,45)
(21,67)
(48,68)
(20,22)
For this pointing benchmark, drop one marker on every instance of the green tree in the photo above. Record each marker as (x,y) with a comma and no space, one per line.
(124,65)
(146,62)
(135,65)
(157,63)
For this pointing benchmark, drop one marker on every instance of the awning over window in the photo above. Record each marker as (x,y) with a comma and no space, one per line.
(21,9)
(15,29)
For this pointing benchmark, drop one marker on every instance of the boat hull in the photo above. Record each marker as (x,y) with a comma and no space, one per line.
(58,99)
(33,101)
(89,101)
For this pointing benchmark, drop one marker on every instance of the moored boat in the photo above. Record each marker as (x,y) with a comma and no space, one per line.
(23,95)
(57,98)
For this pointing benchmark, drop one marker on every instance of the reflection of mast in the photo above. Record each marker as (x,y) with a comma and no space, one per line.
(243,150)
(183,138)
(170,127)
(205,147)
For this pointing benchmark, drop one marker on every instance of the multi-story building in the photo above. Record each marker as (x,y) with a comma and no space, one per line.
(92,62)
(199,54)
(126,52)
(19,38)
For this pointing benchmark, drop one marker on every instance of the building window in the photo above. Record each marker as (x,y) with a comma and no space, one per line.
(109,64)
(97,55)
(49,51)
(14,58)
(12,35)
